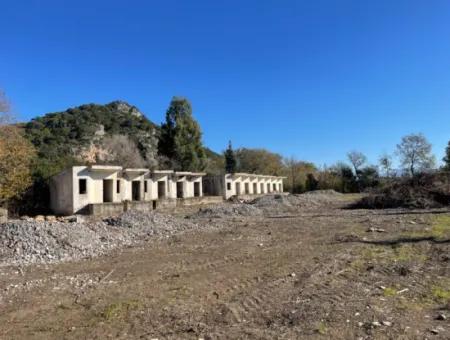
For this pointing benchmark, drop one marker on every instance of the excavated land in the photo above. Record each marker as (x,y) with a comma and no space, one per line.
(277,267)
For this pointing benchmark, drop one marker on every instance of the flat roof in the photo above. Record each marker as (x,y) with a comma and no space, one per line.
(136,170)
(189,173)
(108,168)
(198,173)
(244,174)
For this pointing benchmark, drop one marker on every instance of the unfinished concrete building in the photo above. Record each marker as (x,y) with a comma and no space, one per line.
(240,184)
(106,189)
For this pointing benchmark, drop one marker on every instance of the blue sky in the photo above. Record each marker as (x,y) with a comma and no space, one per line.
(313,79)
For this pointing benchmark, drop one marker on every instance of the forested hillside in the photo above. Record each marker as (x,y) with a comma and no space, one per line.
(83,133)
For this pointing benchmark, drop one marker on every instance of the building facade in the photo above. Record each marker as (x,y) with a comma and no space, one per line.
(75,189)
(240,184)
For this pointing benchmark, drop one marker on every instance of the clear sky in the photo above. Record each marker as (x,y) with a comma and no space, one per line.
(313,79)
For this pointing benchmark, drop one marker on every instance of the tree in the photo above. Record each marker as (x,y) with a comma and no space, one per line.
(121,150)
(291,165)
(347,177)
(446,159)
(415,153)
(357,159)
(16,157)
(230,160)
(385,162)
(311,182)
(369,177)
(297,174)
(180,140)
(329,178)
(259,161)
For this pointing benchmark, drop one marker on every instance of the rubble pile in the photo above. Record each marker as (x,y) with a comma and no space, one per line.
(229,210)
(141,224)
(289,203)
(28,241)
(269,204)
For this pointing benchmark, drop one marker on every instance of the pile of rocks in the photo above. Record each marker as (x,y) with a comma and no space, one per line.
(29,241)
(270,204)
(273,204)
(229,210)
(140,224)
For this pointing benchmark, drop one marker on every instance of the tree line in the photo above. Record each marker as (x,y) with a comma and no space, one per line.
(414,154)
(30,154)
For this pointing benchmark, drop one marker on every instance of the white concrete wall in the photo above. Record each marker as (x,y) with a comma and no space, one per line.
(188,185)
(127,184)
(264,185)
(61,198)
(170,186)
(94,186)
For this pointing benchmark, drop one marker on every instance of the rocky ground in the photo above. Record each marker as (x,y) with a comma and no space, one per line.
(284,267)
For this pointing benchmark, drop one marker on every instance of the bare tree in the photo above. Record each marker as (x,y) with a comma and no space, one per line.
(415,153)
(385,162)
(123,151)
(357,159)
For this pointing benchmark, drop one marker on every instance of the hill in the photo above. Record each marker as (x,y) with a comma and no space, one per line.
(64,137)
(114,133)
(78,135)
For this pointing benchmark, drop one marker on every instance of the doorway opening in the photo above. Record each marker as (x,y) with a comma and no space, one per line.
(136,190)
(247,189)
(262,188)
(161,189)
(180,190)
(196,189)
(108,190)
(238,188)
(255,188)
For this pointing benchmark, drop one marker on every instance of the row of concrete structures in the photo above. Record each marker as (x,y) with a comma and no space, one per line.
(242,184)
(103,189)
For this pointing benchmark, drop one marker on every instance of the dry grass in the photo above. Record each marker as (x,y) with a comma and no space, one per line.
(119,309)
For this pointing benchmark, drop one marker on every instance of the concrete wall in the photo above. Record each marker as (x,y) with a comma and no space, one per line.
(188,186)
(112,184)
(169,190)
(105,209)
(242,184)
(3,215)
(127,183)
(94,181)
(140,206)
(61,189)
(168,203)
(199,200)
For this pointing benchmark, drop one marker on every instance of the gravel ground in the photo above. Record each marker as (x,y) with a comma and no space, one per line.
(26,242)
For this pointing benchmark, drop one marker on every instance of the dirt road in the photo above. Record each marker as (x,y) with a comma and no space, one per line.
(324,273)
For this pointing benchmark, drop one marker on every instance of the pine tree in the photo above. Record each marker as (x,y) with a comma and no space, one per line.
(230,159)
(181,137)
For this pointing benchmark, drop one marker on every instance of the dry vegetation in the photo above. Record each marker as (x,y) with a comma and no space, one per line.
(308,271)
